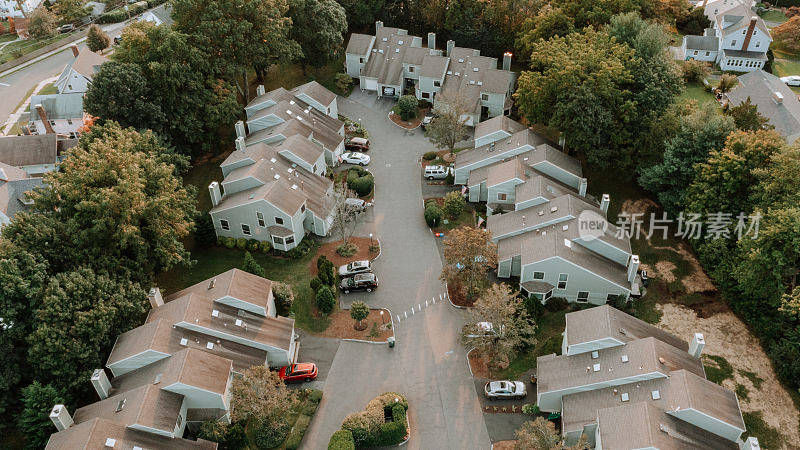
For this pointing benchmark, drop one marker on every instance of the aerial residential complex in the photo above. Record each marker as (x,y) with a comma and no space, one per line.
(392,62)
(626,384)
(274,187)
(738,39)
(535,194)
(175,371)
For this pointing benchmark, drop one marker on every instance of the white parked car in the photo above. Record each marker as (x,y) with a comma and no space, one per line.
(356,203)
(355,158)
(505,389)
(484,329)
(792,80)
(437,172)
(354,268)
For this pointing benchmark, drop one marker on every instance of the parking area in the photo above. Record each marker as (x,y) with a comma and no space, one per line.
(320,351)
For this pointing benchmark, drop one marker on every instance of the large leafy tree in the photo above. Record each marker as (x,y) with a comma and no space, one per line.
(362,14)
(69,11)
(116,204)
(34,421)
(469,254)
(747,118)
(598,12)
(182,99)
(448,127)
(319,27)
(699,133)
(81,314)
(787,35)
(549,23)
(235,35)
(261,395)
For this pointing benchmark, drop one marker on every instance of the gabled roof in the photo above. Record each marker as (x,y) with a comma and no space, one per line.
(10,173)
(316,91)
(506,171)
(148,406)
(58,106)
(515,141)
(498,123)
(13,194)
(302,148)
(434,66)
(94,433)
(28,150)
(359,44)
(559,208)
(235,283)
(761,87)
(702,43)
(604,321)
(688,390)
(88,63)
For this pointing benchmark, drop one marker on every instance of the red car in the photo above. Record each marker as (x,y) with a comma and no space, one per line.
(298,372)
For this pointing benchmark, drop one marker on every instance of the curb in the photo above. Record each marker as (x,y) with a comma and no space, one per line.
(380,249)
(447,294)
(468,363)
(408,427)
(364,341)
(389,116)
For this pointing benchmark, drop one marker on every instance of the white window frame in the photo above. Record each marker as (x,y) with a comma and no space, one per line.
(260,219)
(288,240)
(275,240)
(278,220)
(484,97)
(566,279)
(504,196)
(538,278)
(584,300)
(224,224)
(249,232)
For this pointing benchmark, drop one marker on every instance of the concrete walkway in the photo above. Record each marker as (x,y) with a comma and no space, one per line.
(428,363)
(14,117)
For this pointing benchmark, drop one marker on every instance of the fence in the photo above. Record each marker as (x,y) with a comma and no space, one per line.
(39,52)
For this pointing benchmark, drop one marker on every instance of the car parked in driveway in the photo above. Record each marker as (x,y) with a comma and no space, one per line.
(791,80)
(483,329)
(357,144)
(66,28)
(427,119)
(505,390)
(355,158)
(355,267)
(437,172)
(298,372)
(357,203)
(359,282)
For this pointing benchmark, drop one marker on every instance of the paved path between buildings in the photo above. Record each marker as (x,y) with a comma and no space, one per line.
(428,363)
(14,118)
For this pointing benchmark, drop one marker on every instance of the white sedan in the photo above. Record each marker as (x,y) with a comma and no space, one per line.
(355,158)
(792,80)
(505,389)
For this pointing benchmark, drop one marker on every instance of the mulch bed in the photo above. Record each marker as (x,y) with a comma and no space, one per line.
(343,326)
(458,296)
(479,365)
(329,250)
(410,124)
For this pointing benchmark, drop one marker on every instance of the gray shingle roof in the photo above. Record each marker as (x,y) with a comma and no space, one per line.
(607,322)
(703,43)
(58,106)
(761,87)
(359,43)
(12,194)
(22,151)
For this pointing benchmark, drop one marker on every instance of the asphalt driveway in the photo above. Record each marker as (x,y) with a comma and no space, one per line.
(428,363)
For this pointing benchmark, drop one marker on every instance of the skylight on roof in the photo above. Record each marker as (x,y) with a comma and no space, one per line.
(385,39)
(400,42)
(656,395)
(214,313)
(277,177)
(210,346)
(625,397)
(272,160)
(596,368)
(184,342)
(461,60)
(474,69)
(595,354)
(567,243)
(238,322)
(624,358)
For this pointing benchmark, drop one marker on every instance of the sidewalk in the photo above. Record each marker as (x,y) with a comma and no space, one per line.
(14,118)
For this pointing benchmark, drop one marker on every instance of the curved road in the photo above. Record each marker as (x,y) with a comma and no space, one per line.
(428,363)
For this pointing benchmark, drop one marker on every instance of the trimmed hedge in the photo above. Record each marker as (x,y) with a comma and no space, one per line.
(360,180)
(296,435)
(429,156)
(326,299)
(342,440)
(433,215)
(368,427)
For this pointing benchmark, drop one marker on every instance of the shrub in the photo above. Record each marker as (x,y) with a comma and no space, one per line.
(97,39)
(241,243)
(231,436)
(392,433)
(727,82)
(694,71)
(284,297)
(298,430)
(327,272)
(555,304)
(229,242)
(346,250)
(343,83)
(113,16)
(326,300)
(264,246)
(315,283)
(252,245)
(250,265)
(433,215)
(429,156)
(315,396)
(342,440)
(534,307)
(406,107)
(454,204)
(154,3)
(450,178)
(270,435)
(363,185)
(530,409)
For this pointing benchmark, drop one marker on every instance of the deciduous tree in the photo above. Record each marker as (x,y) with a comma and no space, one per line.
(448,126)
(69,11)
(454,204)
(358,312)
(693,23)
(469,253)
(260,395)
(747,118)
(787,35)
(34,422)
(319,27)
(539,434)
(499,324)
(42,23)
(96,39)
(135,106)
(549,23)
(345,215)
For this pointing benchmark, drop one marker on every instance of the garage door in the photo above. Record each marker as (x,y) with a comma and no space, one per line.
(371,84)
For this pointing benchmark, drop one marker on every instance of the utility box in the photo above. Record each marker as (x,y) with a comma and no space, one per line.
(390,341)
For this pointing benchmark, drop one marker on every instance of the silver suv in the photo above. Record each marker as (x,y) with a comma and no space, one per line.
(437,172)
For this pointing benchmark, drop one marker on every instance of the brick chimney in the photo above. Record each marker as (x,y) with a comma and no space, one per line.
(43,118)
(749,34)
(75,51)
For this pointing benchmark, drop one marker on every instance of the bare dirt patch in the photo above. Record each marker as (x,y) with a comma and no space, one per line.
(504,445)
(329,250)
(729,337)
(641,205)
(479,364)
(697,281)
(375,329)
(662,270)
(458,296)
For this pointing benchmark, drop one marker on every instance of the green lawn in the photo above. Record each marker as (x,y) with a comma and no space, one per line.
(214,260)
(200,176)
(697,92)
(20,48)
(291,75)
(49,89)
(774,15)
(7,37)
(785,67)
(548,340)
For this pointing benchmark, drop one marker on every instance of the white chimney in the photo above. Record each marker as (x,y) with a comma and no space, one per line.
(378,26)
(155,297)
(432,41)
(216,196)
(507,61)
(696,347)
(450,44)
(751,444)
(604,203)
(633,268)
(582,187)
(101,383)
(260,90)
(239,129)
(60,417)
(240,145)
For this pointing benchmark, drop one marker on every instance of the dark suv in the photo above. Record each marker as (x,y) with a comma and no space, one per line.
(360,282)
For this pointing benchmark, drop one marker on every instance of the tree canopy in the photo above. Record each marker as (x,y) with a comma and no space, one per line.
(469,253)
(319,27)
